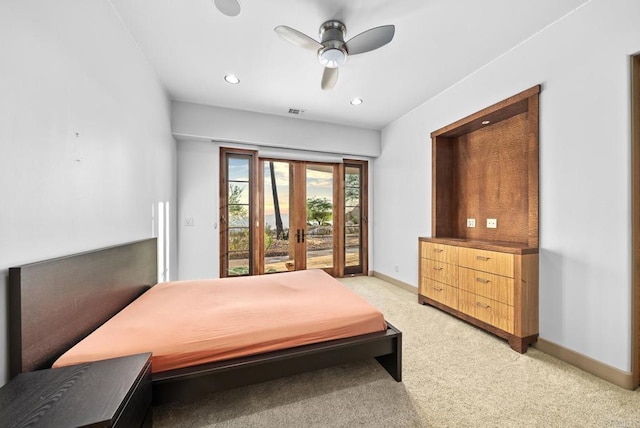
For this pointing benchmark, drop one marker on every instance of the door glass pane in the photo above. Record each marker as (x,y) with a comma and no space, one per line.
(319,228)
(238,193)
(238,232)
(352,215)
(278,248)
(238,169)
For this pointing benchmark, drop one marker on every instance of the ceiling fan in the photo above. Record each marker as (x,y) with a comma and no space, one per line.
(332,50)
(228,7)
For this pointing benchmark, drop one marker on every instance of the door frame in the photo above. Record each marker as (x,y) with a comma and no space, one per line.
(252,155)
(635,218)
(298,212)
(337,267)
(256,202)
(364,214)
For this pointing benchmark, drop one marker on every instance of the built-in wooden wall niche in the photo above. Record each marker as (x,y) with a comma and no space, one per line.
(485,166)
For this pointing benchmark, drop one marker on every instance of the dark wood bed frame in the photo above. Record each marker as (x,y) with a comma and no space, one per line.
(55,303)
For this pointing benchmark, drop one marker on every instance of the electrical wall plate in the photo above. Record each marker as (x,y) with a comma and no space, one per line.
(471,222)
(492,223)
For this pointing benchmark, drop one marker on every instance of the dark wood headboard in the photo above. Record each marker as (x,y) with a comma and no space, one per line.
(53,304)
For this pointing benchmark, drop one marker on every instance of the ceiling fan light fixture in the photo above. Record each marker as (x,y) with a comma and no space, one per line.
(356,101)
(332,57)
(231,78)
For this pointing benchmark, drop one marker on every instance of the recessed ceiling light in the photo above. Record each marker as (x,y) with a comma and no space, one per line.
(231,78)
(486,122)
(356,101)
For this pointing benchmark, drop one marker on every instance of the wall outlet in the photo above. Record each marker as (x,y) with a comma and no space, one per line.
(492,223)
(471,222)
(396,268)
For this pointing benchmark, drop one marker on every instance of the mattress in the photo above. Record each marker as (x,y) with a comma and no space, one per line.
(187,323)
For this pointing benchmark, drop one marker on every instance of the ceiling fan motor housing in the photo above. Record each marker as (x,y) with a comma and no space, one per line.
(333,53)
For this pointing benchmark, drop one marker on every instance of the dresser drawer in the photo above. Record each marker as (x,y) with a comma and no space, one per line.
(497,314)
(486,261)
(439,292)
(487,285)
(441,272)
(439,252)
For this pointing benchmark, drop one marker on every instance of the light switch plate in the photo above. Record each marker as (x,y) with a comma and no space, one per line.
(492,223)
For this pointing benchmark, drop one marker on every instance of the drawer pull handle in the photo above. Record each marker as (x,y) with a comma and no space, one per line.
(482,280)
(438,250)
(437,268)
(482,305)
(484,259)
(437,288)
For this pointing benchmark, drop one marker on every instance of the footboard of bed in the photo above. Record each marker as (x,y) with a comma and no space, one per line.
(392,362)
(191,382)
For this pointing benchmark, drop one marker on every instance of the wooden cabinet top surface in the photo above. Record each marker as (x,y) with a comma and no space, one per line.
(503,247)
(90,394)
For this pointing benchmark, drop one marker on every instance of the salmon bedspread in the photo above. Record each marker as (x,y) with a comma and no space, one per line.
(187,323)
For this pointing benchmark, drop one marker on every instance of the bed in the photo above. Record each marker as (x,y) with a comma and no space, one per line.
(55,304)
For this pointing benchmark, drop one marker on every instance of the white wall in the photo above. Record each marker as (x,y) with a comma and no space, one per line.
(196,126)
(198,199)
(582,63)
(222,124)
(86,146)
(198,190)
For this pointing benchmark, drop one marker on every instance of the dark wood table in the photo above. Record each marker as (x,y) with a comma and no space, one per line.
(108,393)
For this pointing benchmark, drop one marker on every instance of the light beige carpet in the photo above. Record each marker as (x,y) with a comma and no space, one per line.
(454,375)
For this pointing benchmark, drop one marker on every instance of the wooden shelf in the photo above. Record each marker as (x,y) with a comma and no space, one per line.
(486,166)
(503,247)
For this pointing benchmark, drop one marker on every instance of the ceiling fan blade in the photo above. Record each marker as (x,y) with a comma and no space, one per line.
(329,78)
(228,7)
(297,38)
(370,39)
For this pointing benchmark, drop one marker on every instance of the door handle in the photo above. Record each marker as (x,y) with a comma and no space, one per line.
(302,235)
(298,236)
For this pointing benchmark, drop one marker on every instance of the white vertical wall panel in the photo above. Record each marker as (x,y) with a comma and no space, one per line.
(86,149)
(582,62)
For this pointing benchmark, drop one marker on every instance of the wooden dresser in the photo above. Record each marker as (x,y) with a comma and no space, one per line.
(492,286)
(481,262)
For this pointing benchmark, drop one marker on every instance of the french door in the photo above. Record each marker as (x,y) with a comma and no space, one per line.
(298,212)
(355,231)
(291,215)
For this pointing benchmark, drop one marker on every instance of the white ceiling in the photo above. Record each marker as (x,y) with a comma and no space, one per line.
(191,45)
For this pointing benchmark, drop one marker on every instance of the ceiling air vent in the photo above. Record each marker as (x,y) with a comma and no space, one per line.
(296,111)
